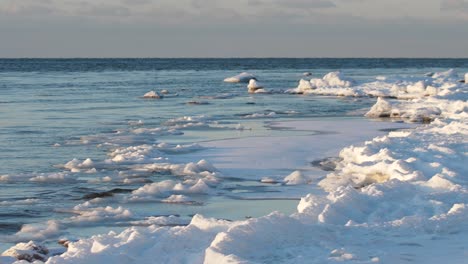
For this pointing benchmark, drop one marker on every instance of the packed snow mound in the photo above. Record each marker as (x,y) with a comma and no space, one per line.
(243,77)
(296,178)
(381,109)
(405,156)
(152,95)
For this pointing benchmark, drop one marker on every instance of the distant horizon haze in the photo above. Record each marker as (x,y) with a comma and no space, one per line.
(234,29)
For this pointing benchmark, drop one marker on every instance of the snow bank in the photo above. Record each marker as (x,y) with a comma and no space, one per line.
(243,77)
(335,83)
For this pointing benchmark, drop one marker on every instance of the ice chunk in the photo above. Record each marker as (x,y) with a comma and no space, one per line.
(244,77)
(381,109)
(253,86)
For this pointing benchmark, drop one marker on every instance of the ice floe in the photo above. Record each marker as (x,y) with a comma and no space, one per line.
(243,77)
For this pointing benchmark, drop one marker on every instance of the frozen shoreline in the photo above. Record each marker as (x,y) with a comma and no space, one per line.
(401,196)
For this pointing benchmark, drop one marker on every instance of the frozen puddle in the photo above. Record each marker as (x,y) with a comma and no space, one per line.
(254,158)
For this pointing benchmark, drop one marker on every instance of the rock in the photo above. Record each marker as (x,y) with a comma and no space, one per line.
(307,74)
(64,242)
(152,95)
(327,164)
(106,193)
(197,103)
(28,251)
(164,91)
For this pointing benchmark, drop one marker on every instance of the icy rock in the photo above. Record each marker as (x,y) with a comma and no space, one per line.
(152,95)
(244,77)
(381,109)
(254,86)
(28,251)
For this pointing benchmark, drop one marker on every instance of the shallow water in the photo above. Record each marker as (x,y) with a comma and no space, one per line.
(52,111)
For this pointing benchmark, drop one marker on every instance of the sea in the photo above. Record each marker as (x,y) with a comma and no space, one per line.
(53,111)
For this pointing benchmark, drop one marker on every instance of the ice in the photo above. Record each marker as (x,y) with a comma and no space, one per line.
(54,177)
(466,77)
(243,77)
(37,232)
(86,216)
(162,221)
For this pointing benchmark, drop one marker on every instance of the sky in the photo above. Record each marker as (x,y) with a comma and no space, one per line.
(233,28)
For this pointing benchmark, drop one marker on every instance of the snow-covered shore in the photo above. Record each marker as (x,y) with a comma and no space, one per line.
(400,197)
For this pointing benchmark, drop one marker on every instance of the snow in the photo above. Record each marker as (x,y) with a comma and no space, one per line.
(243,77)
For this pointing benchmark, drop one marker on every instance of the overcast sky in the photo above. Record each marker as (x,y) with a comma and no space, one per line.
(234,28)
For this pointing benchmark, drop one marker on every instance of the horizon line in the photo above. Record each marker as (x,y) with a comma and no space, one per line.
(45,58)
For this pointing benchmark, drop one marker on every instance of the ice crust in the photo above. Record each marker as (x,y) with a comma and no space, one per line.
(401,197)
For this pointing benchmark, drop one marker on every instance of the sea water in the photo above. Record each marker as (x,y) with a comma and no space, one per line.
(55,110)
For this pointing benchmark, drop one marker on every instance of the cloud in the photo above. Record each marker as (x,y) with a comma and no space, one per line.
(306,4)
(102,10)
(454,5)
(136,2)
